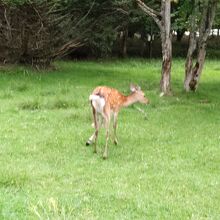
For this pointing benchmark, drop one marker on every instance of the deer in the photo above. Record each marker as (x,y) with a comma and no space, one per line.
(107,102)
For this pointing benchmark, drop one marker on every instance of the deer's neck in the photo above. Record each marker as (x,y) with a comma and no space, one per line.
(129,100)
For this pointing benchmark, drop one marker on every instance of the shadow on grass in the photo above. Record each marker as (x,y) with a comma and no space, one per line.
(8,179)
(30,105)
(51,105)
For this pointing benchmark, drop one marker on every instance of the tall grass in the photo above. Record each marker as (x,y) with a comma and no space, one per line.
(166,166)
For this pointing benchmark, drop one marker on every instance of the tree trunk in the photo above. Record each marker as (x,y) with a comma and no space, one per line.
(189,60)
(179,34)
(24,58)
(150,41)
(166,42)
(124,43)
(192,75)
(197,70)
(163,20)
(166,65)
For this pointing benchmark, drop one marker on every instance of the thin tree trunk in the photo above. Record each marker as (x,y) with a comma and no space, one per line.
(151,40)
(162,19)
(166,65)
(166,42)
(189,60)
(180,34)
(197,69)
(192,75)
(150,48)
(24,45)
(124,43)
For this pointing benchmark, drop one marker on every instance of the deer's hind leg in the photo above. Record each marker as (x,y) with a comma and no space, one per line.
(93,138)
(107,117)
(115,119)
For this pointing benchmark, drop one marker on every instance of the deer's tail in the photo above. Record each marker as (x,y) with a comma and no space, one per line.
(97,102)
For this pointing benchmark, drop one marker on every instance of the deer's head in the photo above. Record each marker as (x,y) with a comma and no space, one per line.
(139,94)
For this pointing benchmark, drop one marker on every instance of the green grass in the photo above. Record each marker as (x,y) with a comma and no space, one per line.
(165,167)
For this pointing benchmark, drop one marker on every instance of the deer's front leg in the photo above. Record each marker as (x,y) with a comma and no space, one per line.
(96,129)
(115,127)
(105,154)
(107,123)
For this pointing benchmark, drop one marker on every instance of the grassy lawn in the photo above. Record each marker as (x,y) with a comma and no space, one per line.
(165,167)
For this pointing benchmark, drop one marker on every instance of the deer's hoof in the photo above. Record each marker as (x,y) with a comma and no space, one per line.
(105,156)
(115,142)
(87,143)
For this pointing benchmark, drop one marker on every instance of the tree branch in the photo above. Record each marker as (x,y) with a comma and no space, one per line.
(151,12)
(88,12)
(8,25)
(208,15)
(66,47)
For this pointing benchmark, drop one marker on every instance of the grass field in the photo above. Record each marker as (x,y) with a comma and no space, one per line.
(166,166)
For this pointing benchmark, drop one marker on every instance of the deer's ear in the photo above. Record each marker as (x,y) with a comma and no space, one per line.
(133,87)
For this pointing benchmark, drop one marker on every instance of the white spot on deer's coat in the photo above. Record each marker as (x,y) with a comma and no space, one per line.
(97,102)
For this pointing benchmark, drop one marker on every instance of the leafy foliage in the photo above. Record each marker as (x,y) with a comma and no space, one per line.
(39,31)
(36,32)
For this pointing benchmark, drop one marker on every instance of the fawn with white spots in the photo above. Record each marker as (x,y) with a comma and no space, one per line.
(106,101)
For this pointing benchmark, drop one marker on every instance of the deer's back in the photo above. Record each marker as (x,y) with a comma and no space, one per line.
(112,96)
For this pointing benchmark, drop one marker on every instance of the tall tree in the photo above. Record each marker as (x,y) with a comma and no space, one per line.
(38,31)
(163,20)
(193,73)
